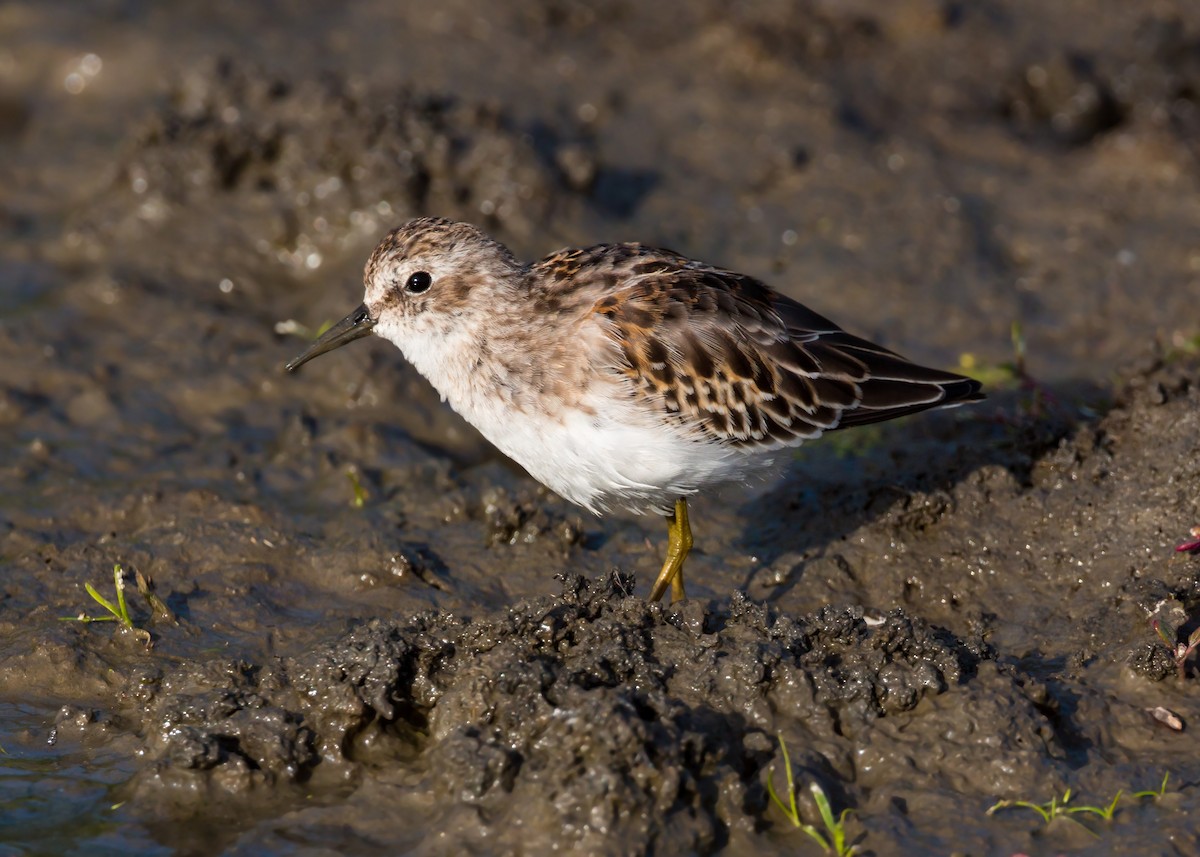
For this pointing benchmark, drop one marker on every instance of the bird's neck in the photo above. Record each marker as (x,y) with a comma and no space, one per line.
(479,366)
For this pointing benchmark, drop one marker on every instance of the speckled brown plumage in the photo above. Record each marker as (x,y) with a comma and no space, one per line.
(723,352)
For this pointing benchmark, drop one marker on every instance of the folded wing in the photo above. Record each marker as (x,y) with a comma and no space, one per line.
(724,354)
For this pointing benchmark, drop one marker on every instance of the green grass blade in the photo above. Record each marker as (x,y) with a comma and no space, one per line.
(823,807)
(119,583)
(775,796)
(102,601)
(816,837)
(840,831)
(787,765)
(791,811)
(1112,807)
(360,493)
(1162,789)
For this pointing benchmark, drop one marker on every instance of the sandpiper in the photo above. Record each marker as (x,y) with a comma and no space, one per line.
(621,374)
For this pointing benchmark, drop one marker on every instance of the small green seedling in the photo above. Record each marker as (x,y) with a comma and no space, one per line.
(1035,398)
(118,612)
(1059,807)
(833,841)
(360,493)
(1156,794)
(1105,812)
(999,375)
(1049,811)
(1056,807)
(1179,651)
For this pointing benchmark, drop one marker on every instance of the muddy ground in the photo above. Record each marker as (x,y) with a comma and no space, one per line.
(376,635)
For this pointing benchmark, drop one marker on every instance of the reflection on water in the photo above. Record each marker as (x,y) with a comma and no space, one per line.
(56,796)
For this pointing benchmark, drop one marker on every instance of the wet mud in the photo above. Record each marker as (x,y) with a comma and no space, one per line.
(369,632)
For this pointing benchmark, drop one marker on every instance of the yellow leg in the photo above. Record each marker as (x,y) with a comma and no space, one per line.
(679,542)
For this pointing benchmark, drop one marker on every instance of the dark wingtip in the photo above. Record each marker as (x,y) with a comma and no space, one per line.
(888,398)
(964,391)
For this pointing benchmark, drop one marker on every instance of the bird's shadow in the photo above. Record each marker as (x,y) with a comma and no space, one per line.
(833,489)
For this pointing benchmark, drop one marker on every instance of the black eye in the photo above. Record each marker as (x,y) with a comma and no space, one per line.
(419,282)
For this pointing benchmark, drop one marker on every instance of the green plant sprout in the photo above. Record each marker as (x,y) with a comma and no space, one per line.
(1105,812)
(118,612)
(1179,651)
(360,493)
(1034,399)
(833,841)
(1057,808)
(1005,374)
(1156,794)
(1049,811)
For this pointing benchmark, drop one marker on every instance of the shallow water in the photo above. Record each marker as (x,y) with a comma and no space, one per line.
(941,613)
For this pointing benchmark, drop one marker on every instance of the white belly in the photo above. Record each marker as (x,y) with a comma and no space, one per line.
(613,457)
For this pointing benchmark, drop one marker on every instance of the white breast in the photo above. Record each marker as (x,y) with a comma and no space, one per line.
(605,452)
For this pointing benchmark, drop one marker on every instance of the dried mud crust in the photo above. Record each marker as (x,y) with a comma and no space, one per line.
(610,714)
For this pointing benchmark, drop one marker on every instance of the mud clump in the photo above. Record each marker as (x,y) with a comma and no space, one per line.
(606,715)
(522,520)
